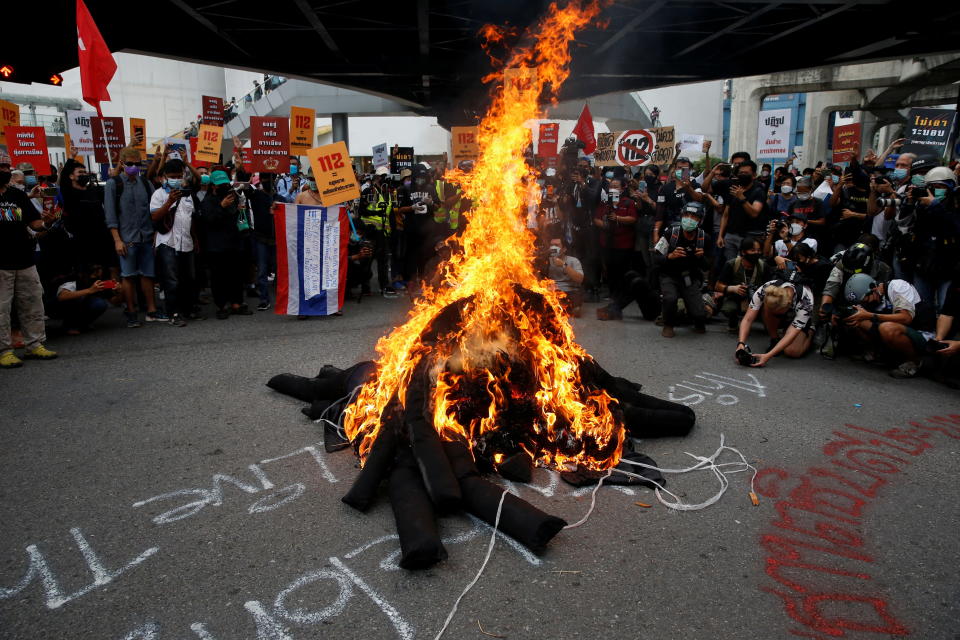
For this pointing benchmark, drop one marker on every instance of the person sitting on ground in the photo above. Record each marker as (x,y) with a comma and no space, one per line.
(776,300)
(681,256)
(882,316)
(80,300)
(739,280)
(567,273)
(860,258)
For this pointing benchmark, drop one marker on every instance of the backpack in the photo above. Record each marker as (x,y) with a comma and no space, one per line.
(675,238)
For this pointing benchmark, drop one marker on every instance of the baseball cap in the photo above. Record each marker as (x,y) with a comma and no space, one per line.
(219,177)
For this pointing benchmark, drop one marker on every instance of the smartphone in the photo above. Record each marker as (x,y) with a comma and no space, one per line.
(50,192)
(685,176)
(109,284)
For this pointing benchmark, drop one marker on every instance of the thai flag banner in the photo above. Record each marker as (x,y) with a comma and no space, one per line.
(311,258)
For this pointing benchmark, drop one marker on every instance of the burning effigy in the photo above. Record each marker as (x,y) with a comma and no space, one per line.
(485,374)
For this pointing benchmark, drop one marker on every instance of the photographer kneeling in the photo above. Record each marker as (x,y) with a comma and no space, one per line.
(775,300)
(739,279)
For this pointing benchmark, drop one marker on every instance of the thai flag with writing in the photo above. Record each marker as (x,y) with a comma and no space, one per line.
(311,258)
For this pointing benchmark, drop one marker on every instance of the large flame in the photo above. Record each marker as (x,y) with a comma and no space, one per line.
(572,421)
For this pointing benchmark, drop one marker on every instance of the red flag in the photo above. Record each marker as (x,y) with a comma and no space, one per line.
(97,65)
(584,130)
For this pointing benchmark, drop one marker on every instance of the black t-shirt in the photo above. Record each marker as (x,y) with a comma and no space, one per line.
(740,222)
(690,264)
(670,202)
(16,244)
(847,231)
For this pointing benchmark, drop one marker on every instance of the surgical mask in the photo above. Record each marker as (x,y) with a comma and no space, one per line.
(940,194)
(294,169)
(608,175)
(917,181)
(689,224)
(312,185)
(804,196)
(204,179)
(132,170)
(174,184)
(678,174)
(31,181)
(786,189)
(744,180)
(765,173)
(614,195)
(898,174)
(796,229)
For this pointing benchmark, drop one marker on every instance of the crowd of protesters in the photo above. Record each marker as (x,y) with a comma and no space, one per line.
(855,258)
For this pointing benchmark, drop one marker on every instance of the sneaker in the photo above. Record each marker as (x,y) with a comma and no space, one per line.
(223,314)
(388,293)
(156,316)
(667,332)
(906,370)
(132,321)
(263,306)
(39,352)
(196,315)
(9,360)
(242,310)
(177,321)
(659,321)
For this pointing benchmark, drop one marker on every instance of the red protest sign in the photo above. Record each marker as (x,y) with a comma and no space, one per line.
(845,138)
(635,147)
(245,159)
(28,144)
(269,143)
(549,137)
(107,133)
(213,111)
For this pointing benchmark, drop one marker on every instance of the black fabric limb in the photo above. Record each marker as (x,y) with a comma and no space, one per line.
(377,468)
(649,417)
(331,384)
(651,477)
(299,387)
(637,289)
(420,545)
(437,475)
(519,519)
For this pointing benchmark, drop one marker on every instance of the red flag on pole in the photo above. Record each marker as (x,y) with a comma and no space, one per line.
(97,65)
(584,130)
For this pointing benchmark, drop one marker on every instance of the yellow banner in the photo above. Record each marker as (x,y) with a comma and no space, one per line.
(209,141)
(9,117)
(138,136)
(333,172)
(302,122)
(464,144)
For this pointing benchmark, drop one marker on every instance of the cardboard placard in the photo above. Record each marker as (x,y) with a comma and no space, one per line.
(212,110)
(401,158)
(178,148)
(333,171)
(549,139)
(691,142)
(9,117)
(928,131)
(635,148)
(302,124)
(81,133)
(381,157)
(844,138)
(138,126)
(28,144)
(464,144)
(107,133)
(269,143)
(774,131)
(209,140)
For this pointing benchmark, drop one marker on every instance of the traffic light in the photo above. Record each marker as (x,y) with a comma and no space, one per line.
(55,79)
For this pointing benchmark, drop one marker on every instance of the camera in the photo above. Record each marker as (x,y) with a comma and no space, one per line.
(919,192)
(892,201)
(745,358)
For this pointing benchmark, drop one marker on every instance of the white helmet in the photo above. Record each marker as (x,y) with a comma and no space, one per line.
(941,175)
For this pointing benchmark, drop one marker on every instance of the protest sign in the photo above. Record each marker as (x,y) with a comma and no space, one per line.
(138,131)
(80,130)
(773,133)
(635,148)
(691,142)
(213,111)
(107,134)
(464,144)
(845,139)
(302,121)
(381,157)
(269,143)
(928,131)
(28,144)
(209,140)
(177,148)
(548,140)
(9,117)
(401,158)
(333,171)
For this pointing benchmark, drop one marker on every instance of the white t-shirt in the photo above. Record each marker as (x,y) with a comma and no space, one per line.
(780,247)
(901,296)
(179,237)
(67,286)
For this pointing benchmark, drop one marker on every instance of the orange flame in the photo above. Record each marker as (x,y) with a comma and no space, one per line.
(574,420)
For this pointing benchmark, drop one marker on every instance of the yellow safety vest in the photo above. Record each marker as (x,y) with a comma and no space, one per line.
(378,218)
(441,214)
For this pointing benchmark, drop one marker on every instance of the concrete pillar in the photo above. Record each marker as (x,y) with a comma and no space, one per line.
(745,104)
(868,128)
(341,128)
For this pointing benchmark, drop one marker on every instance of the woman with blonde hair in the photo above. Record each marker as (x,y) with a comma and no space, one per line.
(777,300)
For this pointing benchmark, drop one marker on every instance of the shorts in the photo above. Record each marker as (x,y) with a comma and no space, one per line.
(138,261)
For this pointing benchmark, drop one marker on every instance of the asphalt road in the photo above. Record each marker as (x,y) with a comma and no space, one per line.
(115,524)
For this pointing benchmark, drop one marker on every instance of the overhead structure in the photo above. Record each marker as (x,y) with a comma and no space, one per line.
(426,52)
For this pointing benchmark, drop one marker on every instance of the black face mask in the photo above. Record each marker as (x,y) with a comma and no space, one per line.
(744,180)
(223,190)
(650,180)
(83,180)
(750,257)
(5,178)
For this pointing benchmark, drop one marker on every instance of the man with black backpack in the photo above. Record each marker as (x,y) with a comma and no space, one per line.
(127,207)
(681,256)
(172,209)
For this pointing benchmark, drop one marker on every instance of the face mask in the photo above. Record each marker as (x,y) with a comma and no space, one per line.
(608,175)
(796,229)
(898,174)
(650,180)
(744,180)
(939,194)
(765,174)
(204,179)
(678,174)
(917,181)
(294,169)
(804,196)
(689,224)
(828,179)
(20,185)
(132,170)
(312,185)
(83,180)
(174,184)
(31,181)
(223,190)
(786,189)
(5,178)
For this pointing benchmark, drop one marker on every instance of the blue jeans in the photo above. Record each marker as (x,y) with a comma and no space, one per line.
(266,261)
(80,313)
(177,279)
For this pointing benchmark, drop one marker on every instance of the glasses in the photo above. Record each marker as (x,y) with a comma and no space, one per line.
(132,164)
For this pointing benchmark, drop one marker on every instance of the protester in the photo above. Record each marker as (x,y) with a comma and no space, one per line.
(790,232)
(739,281)
(222,245)
(376,213)
(746,209)
(681,255)
(615,219)
(79,300)
(264,239)
(289,184)
(172,210)
(567,274)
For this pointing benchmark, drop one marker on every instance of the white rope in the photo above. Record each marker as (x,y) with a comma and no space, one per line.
(493,540)
(338,425)
(593,501)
